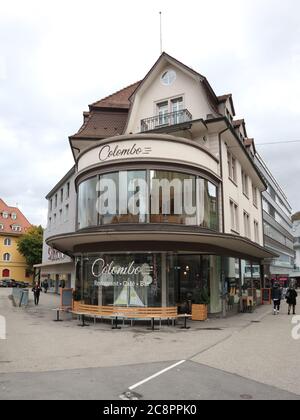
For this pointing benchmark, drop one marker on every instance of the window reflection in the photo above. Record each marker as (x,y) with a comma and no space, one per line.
(142,196)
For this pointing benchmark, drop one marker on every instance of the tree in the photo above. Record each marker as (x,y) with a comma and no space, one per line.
(30,245)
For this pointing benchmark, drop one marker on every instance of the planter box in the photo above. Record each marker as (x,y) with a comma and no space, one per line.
(199,312)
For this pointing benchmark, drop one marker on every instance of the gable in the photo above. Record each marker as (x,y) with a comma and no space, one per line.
(187,85)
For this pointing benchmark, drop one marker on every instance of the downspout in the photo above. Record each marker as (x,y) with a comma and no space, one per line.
(223,295)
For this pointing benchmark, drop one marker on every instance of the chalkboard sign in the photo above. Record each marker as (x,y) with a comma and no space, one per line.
(66,298)
(266,296)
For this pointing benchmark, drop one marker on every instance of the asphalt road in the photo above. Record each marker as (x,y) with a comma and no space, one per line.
(189,381)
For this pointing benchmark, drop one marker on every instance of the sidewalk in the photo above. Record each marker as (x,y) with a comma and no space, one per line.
(257,346)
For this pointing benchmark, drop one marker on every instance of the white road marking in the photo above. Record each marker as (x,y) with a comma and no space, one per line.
(155,375)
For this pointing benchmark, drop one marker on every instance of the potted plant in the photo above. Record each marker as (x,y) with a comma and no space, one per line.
(200,305)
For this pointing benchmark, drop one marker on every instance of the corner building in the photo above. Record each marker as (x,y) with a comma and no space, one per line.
(169,126)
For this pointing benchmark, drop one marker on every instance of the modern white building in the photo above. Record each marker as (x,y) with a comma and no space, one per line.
(277,220)
(170,126)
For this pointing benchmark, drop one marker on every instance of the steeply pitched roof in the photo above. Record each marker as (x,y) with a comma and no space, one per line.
(9,222)
(119,99)
(238,123)
(102,124)
(224,98)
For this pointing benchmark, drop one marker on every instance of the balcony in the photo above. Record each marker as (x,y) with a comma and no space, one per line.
(165,120)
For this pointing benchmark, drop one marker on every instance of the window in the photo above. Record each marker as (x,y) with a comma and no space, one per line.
(256,231)
(234,216)
(245,184)
(61,195)
(49,223)
(67,213)
(168,77)
(163,110)
(54,219)
(16,228)
(176,107)
(254,195)
(55,201)
(68,190)
(7,241)
(14,216)
(50,205)
(5,215)
(60,216)
(1,226)
(231,167)
(6,257)
(246,225)
(124,197)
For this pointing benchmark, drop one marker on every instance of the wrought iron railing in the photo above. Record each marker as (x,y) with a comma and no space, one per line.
(165,120)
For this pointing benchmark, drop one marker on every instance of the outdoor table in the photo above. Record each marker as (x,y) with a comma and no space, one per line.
(57,315)
(83,324)
(115,323)
(185,316)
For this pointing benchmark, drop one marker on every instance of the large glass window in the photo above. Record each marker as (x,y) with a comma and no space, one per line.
(87,203)
(147,196)
(121,280)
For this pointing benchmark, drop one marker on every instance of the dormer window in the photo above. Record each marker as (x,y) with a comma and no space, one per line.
(16,228)
(1,226)
(14,216)
(5,215)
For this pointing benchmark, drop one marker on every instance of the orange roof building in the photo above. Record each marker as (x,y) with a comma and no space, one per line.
(13,224)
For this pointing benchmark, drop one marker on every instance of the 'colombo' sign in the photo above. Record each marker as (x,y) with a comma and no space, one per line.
(107,152)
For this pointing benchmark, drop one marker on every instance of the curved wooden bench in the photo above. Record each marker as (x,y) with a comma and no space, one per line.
(124,312)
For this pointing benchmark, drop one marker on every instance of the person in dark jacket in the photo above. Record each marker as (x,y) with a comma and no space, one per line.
(276,297)
(291,299)
(36,291)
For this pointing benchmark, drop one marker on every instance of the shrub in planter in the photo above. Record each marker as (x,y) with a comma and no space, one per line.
(200,305)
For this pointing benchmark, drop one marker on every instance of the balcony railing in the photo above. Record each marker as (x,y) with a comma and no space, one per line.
(165,120)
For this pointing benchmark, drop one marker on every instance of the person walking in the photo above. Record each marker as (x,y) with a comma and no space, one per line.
(276,297)
(36,291)
(291,299)
(46,286)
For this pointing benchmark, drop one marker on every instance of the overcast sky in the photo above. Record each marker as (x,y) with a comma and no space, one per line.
(56,57)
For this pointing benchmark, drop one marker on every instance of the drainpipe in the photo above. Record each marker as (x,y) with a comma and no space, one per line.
(223,295)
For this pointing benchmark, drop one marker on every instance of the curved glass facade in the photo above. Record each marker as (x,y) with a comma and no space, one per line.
(147,196)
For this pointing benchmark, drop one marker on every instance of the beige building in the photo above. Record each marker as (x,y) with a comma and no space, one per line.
(170,126)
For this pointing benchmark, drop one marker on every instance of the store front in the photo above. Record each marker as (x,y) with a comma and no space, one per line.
(152,234)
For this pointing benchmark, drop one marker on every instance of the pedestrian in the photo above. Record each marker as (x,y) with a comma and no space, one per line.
(46,286)
(36,291)
(276,297)
(291,299)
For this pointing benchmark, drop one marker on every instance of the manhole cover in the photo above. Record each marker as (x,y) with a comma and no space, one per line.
(246,397)
(129,395)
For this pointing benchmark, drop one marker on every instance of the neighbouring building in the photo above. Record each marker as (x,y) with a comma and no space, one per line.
(164,202)
(277,220)
(13,224)
(296,233)
(58,268)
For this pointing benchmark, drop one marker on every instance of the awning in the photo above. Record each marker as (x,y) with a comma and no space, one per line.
(126,239)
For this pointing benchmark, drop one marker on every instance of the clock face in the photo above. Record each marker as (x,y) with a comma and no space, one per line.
(168,77)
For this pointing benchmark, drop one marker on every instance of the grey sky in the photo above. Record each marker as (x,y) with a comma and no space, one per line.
(56,57)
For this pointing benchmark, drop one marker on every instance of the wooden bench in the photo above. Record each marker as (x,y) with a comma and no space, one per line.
(119,312)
